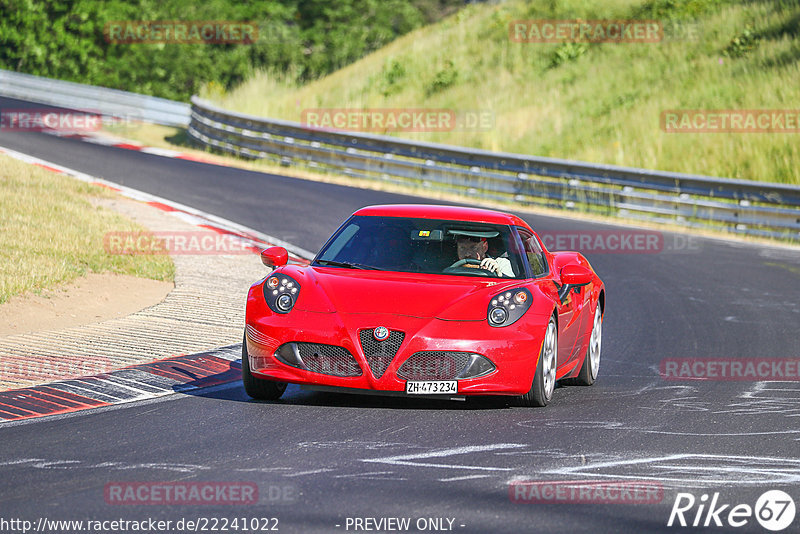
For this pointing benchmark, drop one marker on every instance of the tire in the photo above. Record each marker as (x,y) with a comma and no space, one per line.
(591,363)
(258,388)
(544,379)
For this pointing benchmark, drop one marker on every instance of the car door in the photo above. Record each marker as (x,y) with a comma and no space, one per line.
(569,308)
(571,319)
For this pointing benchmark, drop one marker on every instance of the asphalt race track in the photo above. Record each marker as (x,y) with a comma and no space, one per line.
(320,460)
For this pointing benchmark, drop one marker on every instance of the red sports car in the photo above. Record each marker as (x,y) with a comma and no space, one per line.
(425,300)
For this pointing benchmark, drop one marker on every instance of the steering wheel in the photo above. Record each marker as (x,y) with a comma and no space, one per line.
(458,267)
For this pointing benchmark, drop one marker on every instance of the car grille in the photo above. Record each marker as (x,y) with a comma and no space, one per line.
(379,354)
(328,359)
(434,365)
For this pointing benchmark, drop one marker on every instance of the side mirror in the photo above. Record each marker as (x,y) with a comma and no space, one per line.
(274,257)
(574,274)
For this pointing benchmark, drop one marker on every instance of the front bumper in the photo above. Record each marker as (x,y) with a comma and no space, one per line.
(514,350)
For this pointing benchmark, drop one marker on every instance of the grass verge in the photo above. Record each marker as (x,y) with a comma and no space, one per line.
(598,102)
(50,233)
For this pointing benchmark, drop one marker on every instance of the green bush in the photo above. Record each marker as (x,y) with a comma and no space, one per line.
(392,75)
(742,44)
(308,38)
(444,78)
(566,52)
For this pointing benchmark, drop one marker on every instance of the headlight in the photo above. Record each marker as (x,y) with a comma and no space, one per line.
(507,307)
(284,302)
(498,315)
(281,292)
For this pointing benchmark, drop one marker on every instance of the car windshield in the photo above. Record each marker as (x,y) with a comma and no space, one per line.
(427,246)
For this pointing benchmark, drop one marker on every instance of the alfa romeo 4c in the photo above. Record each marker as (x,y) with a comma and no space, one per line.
(426,300)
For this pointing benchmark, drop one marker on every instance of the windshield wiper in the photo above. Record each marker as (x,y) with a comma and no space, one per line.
(346,264)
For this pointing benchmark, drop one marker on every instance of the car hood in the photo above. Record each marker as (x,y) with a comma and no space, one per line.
(458,298)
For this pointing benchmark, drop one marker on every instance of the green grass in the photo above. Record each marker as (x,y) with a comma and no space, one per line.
(50,232)
(597,102)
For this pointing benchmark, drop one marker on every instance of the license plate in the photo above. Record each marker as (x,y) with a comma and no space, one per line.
(431,387)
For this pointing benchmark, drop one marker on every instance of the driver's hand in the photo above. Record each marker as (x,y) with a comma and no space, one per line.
(490,264)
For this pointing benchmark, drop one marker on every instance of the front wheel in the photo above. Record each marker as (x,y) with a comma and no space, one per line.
(258,388)
(544,379)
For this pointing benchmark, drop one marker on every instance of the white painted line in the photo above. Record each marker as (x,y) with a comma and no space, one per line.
(122,466)
(310,472)
(768,433)
(371,473)
(617,463)
(752,470)
(160,151)
(21,461)
(263,469)
(407,459)
(468,477)
(375,475)
(129,385)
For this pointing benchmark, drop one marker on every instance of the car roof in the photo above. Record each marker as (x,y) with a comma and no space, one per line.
(433,211)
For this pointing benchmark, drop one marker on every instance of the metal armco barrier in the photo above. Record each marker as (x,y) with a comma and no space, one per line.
(108,102)
(740,206)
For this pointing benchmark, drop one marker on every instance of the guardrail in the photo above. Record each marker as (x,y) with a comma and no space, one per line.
(740,206)
(108,102)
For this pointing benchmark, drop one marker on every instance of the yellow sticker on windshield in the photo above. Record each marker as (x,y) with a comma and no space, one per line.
(424,233)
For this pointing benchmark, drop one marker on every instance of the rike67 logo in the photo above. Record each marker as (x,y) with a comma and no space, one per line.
(774,510)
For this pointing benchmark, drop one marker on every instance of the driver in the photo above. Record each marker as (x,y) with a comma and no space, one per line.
(473,245)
